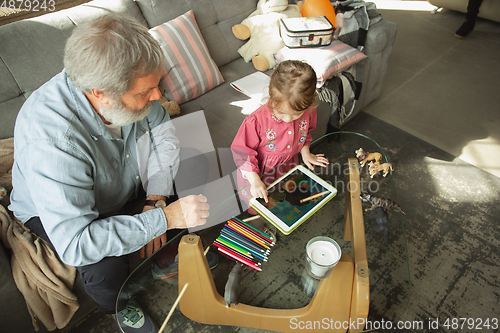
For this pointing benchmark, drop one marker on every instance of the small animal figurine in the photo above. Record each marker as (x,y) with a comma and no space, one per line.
(381,217)
(232,289)
(3,192)
(376,167)
(363,156)
(386,204)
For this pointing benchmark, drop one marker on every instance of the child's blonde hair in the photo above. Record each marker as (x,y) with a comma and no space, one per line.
(292,82)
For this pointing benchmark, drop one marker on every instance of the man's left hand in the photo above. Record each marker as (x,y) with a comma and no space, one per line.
(153,246)
(159,241)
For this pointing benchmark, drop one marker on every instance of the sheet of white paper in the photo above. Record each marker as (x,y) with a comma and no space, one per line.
(222,201)
(255,85)
(192,131)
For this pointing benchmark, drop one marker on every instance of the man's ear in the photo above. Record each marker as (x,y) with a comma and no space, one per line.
(101,96)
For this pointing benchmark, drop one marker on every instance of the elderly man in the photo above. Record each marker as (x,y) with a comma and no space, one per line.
(86,143)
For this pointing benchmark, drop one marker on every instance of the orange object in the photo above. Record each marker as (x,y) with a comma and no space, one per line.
(312,8)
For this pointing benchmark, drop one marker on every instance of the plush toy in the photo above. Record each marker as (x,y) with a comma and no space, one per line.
(171,106)
(263,29)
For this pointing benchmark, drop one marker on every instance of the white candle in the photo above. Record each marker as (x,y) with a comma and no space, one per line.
(323,255)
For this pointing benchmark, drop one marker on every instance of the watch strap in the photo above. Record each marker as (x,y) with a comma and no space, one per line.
(151,203)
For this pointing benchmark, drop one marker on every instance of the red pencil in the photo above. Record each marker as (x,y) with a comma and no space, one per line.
(248,234)
(253,231)
(238,258)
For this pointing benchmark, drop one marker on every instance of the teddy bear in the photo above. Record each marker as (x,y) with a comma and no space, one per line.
(263,29)
(171,106)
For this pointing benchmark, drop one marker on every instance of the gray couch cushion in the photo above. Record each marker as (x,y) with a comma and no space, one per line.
(214,17)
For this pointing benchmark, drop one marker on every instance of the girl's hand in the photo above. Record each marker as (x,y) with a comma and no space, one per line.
(311,159)
(257,187)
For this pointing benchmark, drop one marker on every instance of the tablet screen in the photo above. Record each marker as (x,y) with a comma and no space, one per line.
(285,195)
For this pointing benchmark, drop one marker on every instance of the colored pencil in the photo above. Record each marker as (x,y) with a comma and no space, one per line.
(239,258)
(252,252)
(254,231)
(234,247)
(248,234)
(227,247)
(247,241)
(253,228)
(317,195)
(239,234)
(232,230)
(251,218)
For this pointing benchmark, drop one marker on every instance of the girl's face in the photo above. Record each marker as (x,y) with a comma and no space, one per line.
(287,114)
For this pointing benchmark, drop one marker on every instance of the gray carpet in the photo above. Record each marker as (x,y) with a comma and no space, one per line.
(451,228)
(442,89)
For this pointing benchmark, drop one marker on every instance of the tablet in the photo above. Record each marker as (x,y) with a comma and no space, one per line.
(285,209)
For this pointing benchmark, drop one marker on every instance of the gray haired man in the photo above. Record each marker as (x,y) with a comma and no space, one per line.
(86,143)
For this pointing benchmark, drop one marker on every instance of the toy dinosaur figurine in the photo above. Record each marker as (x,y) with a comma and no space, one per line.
(381,217)
(363,156)
(386,204)
(376,167)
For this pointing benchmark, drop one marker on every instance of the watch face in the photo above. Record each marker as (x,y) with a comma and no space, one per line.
(160,204)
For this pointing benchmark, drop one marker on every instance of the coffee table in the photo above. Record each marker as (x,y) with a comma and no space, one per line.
(283,297)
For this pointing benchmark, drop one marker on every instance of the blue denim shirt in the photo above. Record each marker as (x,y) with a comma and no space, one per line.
(72,172)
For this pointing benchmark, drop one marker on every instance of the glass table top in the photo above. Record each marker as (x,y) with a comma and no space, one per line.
(283,282)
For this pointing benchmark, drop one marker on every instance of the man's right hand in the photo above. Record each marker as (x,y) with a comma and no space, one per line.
(187,212)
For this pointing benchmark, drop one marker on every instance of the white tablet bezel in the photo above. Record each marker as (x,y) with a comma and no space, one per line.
(283,227)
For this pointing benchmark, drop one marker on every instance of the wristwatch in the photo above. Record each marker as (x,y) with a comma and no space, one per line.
(155,203)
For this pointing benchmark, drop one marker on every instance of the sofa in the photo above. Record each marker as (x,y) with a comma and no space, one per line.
(490,9)
(32,52)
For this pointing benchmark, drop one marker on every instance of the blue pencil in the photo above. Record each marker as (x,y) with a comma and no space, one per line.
(251,241)
(252,252)
(254,230)
(243,239)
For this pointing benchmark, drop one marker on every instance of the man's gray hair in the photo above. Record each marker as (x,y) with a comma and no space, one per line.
(110,53)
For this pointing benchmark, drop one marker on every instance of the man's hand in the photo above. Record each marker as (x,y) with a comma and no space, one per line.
(156,243)
(187,212)
(153,246)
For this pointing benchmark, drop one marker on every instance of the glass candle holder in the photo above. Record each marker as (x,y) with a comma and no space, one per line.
(322,253)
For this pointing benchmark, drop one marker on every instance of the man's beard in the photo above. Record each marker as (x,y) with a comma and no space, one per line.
(118,114)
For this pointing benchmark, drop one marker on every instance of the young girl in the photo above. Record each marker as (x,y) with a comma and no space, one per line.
(270,139)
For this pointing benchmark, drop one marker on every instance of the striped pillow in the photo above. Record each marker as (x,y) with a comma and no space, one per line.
(327,61)
(189,70)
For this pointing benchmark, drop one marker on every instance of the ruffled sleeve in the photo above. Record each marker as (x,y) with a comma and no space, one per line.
(245,145)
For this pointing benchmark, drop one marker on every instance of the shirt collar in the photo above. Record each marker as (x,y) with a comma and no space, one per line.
(87,115)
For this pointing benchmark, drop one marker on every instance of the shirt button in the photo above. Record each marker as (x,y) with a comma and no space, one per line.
(137,177)
(128,156)
(288,146)
(147,132)
(289,132)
